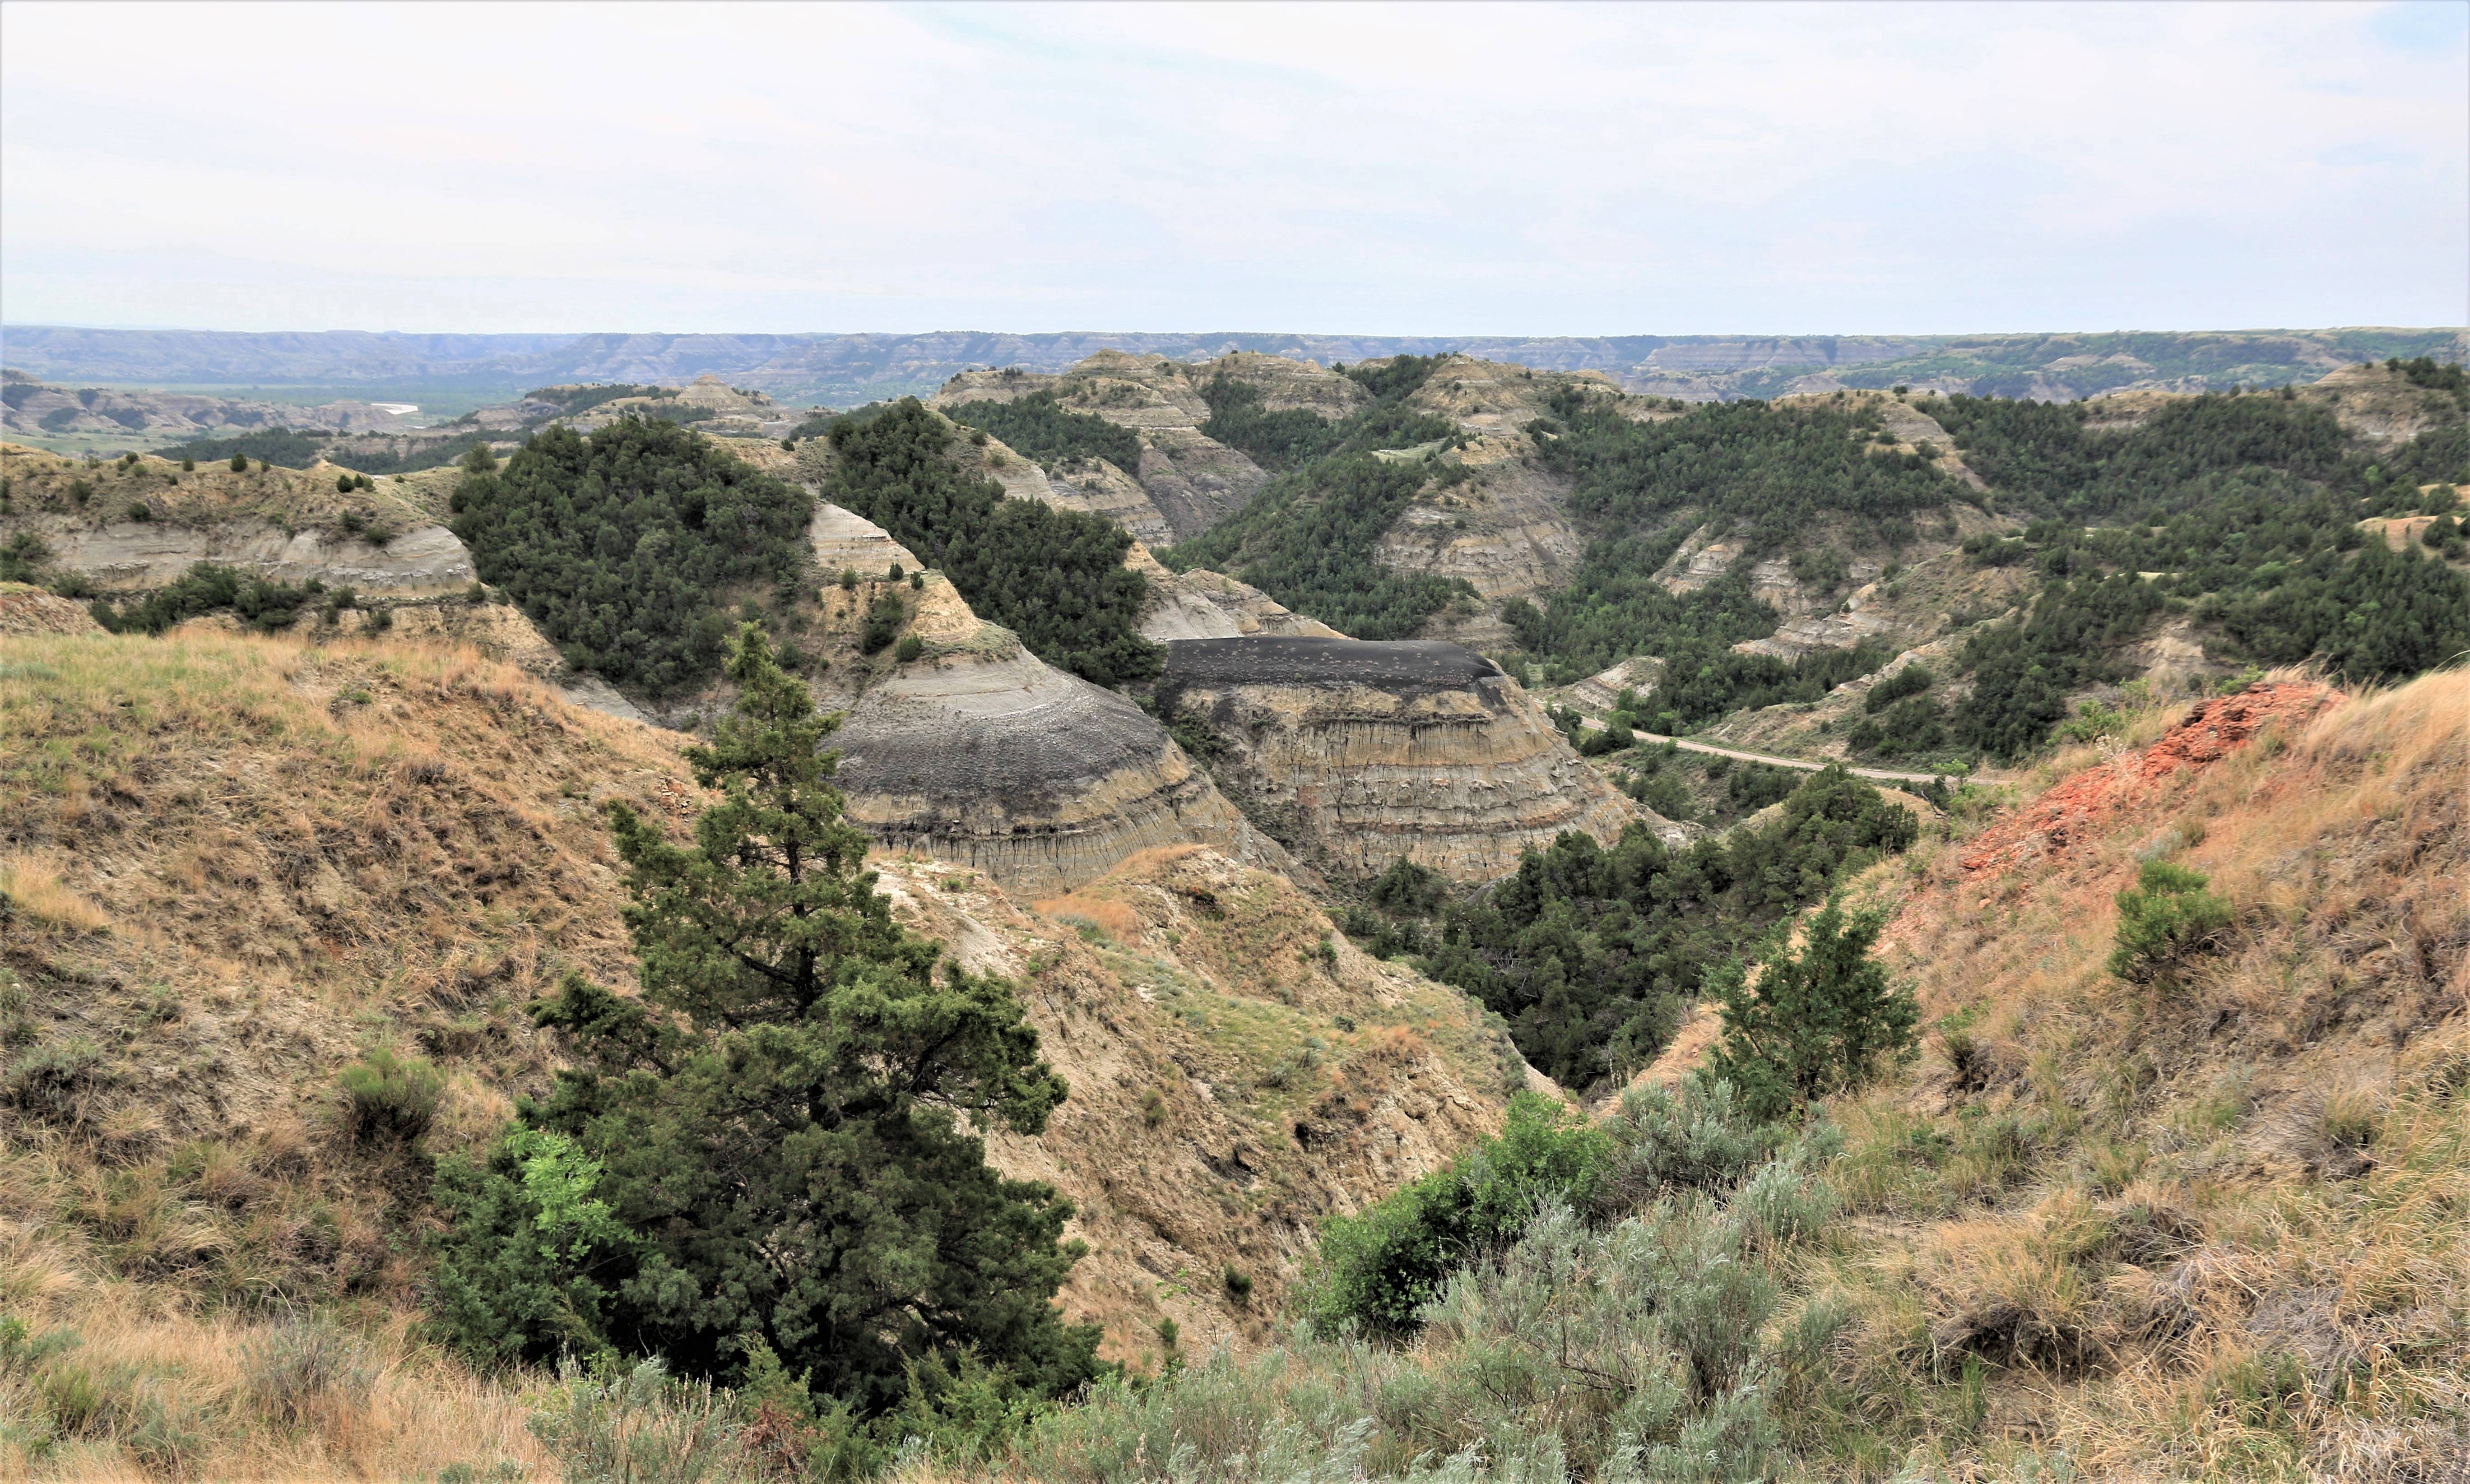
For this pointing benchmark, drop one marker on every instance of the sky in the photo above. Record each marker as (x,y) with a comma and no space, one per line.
(1380,170)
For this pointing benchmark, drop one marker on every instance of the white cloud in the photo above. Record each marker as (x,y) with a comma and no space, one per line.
(1449,169)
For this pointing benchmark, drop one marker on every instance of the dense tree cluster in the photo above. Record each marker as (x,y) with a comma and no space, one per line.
(575,401)
(1055,577)
(773,1161)
(1307,540)
(1764,471)
(2040,457)
(2245,509)
(1292,438)
(285,447)
(621,545)
(1041,429)
(1591,954)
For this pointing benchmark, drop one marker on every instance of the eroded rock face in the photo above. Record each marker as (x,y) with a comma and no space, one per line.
(1506,531)
(1191,480)
(1367,752)
(980,753)
(1202,604)
(1102,489)
(1036,777)
(843,541)
(139,554)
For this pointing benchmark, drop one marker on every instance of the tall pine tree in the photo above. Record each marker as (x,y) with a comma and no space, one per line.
(777,1142)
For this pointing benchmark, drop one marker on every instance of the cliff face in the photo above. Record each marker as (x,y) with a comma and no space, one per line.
(1362,753)
(980,753)
(995,760)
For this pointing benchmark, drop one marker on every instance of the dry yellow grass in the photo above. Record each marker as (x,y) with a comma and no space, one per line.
(2217,1231)
(300,853)
(34,887)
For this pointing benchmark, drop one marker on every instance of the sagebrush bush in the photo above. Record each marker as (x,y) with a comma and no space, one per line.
(300,1369)
(47,1082)
(1618,1342)
(391,1096)
(610,1425)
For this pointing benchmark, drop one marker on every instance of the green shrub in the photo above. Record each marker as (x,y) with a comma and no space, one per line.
(1379,1269)
(391,1098)
(205,588)
(884,617)
(1819,1021)
(910,647)
(2164,920)
(239,463)
(22,556)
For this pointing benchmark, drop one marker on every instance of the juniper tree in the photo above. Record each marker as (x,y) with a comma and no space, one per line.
(785,1123)
(1817,1022)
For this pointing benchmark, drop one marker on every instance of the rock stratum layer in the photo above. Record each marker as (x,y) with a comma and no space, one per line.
(1360,752)
(981,754)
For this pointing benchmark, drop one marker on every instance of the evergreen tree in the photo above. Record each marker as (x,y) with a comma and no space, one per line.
(777,1127)
(1817,1022)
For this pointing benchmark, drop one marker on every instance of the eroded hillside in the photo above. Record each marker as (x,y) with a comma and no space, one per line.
(2206,1216)
(235,865)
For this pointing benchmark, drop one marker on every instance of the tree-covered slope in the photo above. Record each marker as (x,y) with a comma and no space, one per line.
(1055,577)
(621,545)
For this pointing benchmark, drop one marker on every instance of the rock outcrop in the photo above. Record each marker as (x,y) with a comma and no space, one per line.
(1191,480)
(978,752)
(847,542)
(994,759)
(1202,604)
(141,554)
(1359,753)
(30,609)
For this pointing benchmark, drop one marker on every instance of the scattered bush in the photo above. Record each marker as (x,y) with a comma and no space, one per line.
(239,463)
(389,1097)
(2164,920)
(910,647)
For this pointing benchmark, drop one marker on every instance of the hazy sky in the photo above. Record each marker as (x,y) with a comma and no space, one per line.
(1392,168)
